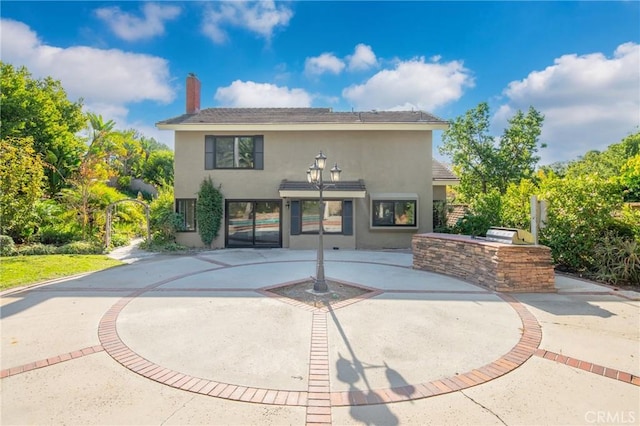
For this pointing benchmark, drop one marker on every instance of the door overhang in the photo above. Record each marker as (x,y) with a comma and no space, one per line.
(342,189)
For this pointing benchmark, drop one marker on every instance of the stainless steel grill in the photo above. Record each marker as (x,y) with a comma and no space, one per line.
(509,236)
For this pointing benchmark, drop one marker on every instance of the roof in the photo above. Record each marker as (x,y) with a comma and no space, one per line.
(341,189)
(442,173)
(299,116)
(343,185)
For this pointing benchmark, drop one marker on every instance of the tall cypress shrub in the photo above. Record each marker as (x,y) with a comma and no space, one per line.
(209,211)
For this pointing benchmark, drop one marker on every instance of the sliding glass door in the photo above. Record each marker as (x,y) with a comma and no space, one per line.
(253,223)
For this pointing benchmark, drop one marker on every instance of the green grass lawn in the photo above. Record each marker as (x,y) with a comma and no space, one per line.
(23,270)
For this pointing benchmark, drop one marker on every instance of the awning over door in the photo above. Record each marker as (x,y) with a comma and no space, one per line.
(342,189)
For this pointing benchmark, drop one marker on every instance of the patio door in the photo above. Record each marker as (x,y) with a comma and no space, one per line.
(253,223)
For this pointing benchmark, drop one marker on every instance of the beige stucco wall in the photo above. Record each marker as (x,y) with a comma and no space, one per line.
(389,162)
(440,192)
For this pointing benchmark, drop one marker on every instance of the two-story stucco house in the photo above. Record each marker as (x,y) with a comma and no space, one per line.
(260,157)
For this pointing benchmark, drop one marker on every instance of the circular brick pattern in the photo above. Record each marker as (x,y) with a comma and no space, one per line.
(318,398)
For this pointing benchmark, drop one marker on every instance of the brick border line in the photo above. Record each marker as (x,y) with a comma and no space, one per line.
(50,361)
(200,290)
(518,355)
(133,292)
(212,261)
(319,389)
(267,262)
(599,370)
(87,289)
(487,291)
(32,287)
(119,351)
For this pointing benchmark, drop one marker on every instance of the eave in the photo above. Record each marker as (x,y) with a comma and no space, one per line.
(302,127)
(446,182)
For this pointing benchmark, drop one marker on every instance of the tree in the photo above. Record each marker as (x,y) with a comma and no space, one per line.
(608,163)
(131,153)
(630,179)
(158,169)
(209,211)
(21,184)
(515,157)
(150,144)
(40,109)
(481,164)
(93,168)
(471,148)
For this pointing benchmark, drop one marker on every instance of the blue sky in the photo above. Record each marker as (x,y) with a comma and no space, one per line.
(576,62)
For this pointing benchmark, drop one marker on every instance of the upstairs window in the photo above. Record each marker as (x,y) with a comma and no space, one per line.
(234,152)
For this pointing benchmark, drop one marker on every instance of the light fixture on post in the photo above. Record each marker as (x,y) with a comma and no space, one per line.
(335,173)
(314,176)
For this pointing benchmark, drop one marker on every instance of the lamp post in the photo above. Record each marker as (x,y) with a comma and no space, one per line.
(314,176)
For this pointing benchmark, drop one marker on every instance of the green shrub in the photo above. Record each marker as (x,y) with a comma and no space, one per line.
(617,260)
(631,218)
(58,235)
(119,240)
(579,213)
(630,178)
(81,247)
(164,220)
(22,176)
(440,211)
(160,246)
(484,212)
(516,204)
(37,249)
(124,182)
(7,246)
(138,194)
(209,211)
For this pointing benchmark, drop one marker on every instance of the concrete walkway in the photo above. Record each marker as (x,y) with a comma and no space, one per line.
(201,339)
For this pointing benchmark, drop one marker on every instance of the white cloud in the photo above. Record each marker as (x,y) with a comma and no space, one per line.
(589,101)
(413,84)
(260,17)
(130,27)
(325,63)
(107,80)
(363,58)
(251,94)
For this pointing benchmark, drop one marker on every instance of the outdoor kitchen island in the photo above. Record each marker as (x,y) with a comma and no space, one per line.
(497,266)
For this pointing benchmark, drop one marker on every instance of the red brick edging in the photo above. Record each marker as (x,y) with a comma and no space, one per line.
(518,355)
(600,370)
(318,399)
(50,361)
(318,394)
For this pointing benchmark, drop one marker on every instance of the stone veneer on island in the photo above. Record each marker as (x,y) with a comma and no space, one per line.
(498,266)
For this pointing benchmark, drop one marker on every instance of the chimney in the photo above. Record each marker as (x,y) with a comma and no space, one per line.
(193,94)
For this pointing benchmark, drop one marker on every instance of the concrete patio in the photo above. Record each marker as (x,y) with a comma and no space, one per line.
(195,339)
